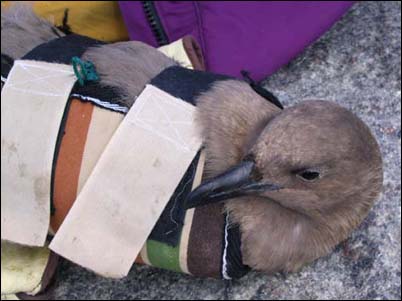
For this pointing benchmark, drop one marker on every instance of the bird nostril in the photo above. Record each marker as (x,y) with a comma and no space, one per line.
(256,175)
(249,157)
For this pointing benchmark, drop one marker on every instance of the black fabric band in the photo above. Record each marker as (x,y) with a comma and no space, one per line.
(170,223)
(185,83)
(62,50)
(188,84)
(234,261)
(260,90)
(232,266)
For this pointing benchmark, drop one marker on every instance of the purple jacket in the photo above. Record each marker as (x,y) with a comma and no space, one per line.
(256,36)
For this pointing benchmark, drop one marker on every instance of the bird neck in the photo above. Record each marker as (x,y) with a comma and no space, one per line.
(275,238)
(230,116)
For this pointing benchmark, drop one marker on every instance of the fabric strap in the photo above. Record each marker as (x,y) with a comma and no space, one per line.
(27,152)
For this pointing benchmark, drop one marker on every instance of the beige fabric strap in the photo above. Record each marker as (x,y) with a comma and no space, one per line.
(103,125)
(130,185)
(188,221)
(33,101)
(177,52)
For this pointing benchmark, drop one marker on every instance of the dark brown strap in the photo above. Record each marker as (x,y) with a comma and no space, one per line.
(194,53)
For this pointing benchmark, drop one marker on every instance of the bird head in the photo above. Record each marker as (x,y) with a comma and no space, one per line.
(304,179)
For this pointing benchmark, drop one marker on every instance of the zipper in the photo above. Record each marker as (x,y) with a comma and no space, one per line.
(155,23)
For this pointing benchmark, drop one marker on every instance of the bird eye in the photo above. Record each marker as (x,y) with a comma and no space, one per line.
(309,175)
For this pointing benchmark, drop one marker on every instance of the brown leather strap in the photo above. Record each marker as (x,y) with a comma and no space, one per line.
(194,53)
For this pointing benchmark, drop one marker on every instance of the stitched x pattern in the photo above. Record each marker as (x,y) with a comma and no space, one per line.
(165,116)
(35,84)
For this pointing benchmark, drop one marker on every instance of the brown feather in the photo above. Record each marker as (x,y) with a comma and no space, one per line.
(128,66)
(227,116)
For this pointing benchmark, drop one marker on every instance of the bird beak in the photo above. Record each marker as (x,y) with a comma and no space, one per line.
(237,181)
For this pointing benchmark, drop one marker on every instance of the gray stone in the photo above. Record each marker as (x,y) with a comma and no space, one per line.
(358,65)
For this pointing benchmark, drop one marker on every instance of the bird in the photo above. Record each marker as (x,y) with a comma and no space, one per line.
(297,181)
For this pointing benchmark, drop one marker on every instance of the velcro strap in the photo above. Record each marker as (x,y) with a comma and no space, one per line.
(33,101)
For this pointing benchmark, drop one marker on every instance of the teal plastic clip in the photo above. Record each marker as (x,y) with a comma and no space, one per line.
(84,71)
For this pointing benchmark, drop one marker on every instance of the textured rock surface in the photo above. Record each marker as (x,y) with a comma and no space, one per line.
(357,64)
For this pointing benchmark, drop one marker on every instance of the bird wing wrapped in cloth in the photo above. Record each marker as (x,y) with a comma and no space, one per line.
(196,241)
(295,181)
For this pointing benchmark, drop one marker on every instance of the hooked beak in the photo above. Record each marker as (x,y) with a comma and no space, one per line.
(237,181)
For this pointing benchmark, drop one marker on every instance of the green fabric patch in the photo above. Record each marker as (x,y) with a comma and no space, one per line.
(163,256)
